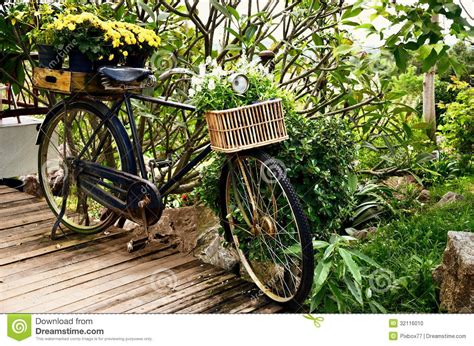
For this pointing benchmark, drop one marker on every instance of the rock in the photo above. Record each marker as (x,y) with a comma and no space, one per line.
(424,196)
(130,225)
(212,248)
(455,275)
(363,233)
(402,186)
(179,222)
(399,183)
(449,197)
(197,230)
(32,185)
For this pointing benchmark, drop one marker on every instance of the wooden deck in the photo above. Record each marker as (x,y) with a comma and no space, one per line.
(95,274)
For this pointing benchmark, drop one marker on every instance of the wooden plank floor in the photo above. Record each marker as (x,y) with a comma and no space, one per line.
(95,273)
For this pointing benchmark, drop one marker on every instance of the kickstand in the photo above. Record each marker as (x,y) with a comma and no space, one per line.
(65,193)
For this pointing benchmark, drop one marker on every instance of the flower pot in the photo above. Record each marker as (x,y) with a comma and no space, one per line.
(79,62)
(136,60)
(48,57)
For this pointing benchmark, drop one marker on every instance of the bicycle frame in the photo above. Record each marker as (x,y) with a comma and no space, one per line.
(166,187)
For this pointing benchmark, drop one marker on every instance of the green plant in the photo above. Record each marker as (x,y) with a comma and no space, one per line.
(212,89)
(458,127)
(42,33)
(317,155)
(343,278)
(369,201)
(412,246)
(102,40)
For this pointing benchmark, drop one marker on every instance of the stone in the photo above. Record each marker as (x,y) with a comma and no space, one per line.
(449,197)
(31,185)
(130,225)
(455,275)
(403,186)
(197,231)
(424,196)
(181,223)
(363,233)
(213,249)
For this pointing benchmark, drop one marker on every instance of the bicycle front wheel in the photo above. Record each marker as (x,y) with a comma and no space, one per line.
(262,215)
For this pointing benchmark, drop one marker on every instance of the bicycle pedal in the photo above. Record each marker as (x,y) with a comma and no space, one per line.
(141,243)
(137,244)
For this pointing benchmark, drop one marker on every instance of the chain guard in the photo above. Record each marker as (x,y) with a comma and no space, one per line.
(119,191)
(140,191)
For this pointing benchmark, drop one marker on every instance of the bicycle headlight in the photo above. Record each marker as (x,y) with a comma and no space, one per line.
(240,83)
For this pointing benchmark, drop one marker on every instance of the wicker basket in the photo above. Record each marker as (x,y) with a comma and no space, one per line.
(246,127)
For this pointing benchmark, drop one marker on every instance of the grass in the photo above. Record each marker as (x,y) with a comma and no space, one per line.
(412,246)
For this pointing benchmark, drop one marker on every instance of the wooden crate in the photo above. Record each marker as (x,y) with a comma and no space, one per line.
(247,127)
(67,82)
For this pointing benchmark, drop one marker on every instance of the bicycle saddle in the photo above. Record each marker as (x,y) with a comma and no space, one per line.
(125,74)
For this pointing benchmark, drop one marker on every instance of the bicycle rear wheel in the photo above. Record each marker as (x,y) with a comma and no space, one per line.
(67,131)
(262,215)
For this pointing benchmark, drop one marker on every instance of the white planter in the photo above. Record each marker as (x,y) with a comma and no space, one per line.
(18,151)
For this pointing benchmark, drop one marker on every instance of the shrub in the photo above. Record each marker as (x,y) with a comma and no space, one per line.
(458,128)
(343,278)
(317,155)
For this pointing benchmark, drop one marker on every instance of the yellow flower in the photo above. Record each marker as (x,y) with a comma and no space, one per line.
(125,53)
(71,26)
(111,56)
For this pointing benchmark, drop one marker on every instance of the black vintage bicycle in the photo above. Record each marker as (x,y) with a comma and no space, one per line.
(104,177)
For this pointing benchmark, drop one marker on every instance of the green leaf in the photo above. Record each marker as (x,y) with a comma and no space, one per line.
(351,265)
(352,182)
(329,251)
(233,47)
(294,250)
(147,9)
(354,289)
(401,57)
(320,244)
(412,45)
(338,295)
(250,32)
(321,274)
(430,60)
(379,307)
(457,67)
(367,26)
(220,8)
(363,257)
(407,130)
(343,49)
(351,12)
(234,12)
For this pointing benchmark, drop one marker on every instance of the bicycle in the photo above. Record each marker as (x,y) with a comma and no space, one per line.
(104,177)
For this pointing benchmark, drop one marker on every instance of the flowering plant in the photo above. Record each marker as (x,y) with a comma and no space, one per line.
(212,89)
(103,40)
